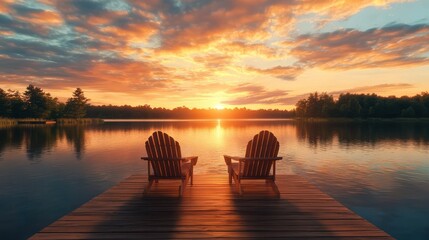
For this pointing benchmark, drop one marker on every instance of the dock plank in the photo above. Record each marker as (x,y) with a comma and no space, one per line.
(211,208)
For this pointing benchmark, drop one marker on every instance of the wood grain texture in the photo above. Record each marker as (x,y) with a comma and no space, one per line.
(211,208)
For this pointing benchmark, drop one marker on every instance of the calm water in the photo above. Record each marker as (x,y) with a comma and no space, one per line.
(379,170)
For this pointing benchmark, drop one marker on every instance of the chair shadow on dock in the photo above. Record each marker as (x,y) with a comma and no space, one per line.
(212,208)
(264,215)
(152,215)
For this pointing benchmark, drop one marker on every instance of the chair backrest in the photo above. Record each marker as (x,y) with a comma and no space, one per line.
(165,154)
(263,145)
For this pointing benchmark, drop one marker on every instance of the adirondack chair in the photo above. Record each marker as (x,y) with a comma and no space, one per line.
(261,156)
(166,161)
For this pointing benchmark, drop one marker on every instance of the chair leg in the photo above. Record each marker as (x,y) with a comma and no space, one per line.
(275,188)
(182,187)
(148,186)
(240,190)
(230,177)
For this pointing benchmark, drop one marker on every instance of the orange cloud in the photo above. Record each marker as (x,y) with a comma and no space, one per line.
(242,48)
(5,6)
(254,94)
(285,73)
(42,17)
(396,45)
(339,9)
(379,89)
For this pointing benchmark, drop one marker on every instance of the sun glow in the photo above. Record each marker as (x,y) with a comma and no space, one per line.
(219,106)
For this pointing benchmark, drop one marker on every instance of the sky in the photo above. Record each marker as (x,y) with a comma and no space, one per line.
(214,53)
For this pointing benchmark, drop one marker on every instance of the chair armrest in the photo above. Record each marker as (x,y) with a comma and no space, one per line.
(193,159)
(162,159)
(265,159)
(245,159)
(233,157)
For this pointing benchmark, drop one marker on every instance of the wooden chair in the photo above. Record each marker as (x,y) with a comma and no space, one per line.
(261,155)
(164,158)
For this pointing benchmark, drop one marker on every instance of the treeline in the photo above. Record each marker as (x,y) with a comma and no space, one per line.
(36,103)
(147,112)
(363,106)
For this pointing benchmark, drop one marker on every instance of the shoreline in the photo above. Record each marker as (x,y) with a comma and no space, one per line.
(70,121)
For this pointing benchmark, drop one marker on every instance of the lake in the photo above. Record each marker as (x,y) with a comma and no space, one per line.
(380,170)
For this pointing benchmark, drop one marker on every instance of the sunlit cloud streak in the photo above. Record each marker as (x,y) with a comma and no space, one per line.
(284,73)
(251,94)
(389,46)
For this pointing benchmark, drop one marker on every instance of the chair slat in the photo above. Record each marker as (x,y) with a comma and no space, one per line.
(161,146)
(263,145)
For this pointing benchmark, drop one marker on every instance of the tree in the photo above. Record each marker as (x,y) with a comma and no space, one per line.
(38,104)
(408,113)
(76,106)
(4,104)
(301,108)
(17,105)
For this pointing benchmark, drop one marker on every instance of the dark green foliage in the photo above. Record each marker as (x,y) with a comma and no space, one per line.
(316,105)
(33,103)
(4,104)
(11,104)
(38,104)
(363,106)
(408,113)
(75,106)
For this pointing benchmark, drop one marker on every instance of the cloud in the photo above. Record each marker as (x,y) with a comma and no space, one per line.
(339,9)
(36,16)
(285,73)
(254,94)
(243,48)
(379,89)
(5,6)
(389,46)
(198,25)
(214,61)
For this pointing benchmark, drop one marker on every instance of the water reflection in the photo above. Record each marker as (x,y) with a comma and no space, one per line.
(379,170)
(361,133)
(39,139)
(75,136)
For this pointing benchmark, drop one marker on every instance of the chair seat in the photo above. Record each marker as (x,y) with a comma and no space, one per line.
(235,167)
(259,161)
(165,159)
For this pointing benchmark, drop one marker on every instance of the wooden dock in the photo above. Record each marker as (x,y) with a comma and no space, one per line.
(211,208)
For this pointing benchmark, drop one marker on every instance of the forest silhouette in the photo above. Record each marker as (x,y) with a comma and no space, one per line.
(36,103)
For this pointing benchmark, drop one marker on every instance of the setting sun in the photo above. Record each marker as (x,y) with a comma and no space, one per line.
(219,106)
